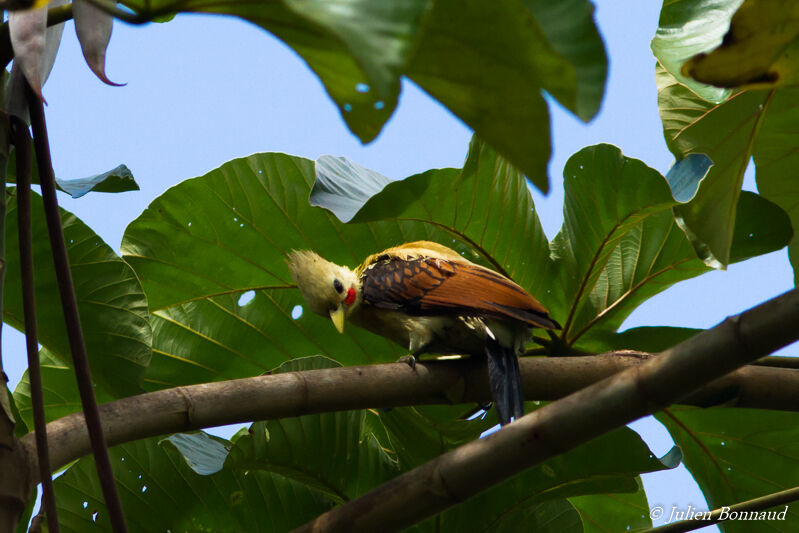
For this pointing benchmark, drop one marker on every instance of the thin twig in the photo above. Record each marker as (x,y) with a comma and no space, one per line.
(725,513)
(22,142)
(71,316)
(778,361)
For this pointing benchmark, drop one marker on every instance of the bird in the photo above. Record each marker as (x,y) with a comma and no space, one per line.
(429,299)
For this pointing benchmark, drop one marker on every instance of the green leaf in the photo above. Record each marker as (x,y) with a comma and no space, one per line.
(613,511)
(209,241)
(652,339)
(569,26)
(228,232)
(415,437)
(687,28)
(160,492)
(112,306)
(738,454)
(496,515)
(726,134)
(60,390)
(775,158)
(488,62)
(358,49)
(758,50)
(456,62)
(216,339)
(760,225)
(751,123)
(119,179)
(204,454)
(620,243)
(610,464)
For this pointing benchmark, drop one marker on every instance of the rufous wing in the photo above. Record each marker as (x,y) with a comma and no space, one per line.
(432,286)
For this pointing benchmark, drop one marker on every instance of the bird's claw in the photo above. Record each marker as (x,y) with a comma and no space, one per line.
(409,359)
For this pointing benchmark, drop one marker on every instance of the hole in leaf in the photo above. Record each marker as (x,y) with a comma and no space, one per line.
(362,88)
(246,298)
(296,312)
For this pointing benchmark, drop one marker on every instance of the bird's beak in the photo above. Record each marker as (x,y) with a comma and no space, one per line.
(337,316)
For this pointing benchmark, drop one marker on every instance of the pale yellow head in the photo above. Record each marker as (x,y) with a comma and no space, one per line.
(329,289)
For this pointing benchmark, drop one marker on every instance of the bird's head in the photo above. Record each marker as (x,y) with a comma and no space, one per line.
(328,289)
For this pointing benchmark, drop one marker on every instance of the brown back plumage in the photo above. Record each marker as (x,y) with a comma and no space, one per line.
(434,283)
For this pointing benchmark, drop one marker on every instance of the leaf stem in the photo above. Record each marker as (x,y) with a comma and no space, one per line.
(71,316)
(22,142)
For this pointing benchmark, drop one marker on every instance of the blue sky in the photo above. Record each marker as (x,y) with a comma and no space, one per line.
(202,90)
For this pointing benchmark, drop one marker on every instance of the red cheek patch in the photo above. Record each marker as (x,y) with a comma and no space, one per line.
(350,296)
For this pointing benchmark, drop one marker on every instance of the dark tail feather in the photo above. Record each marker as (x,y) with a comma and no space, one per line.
(505,380)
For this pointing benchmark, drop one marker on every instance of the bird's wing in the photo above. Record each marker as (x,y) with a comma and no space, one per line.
(432,286)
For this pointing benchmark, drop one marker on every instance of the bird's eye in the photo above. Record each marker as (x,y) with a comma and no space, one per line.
(338,286)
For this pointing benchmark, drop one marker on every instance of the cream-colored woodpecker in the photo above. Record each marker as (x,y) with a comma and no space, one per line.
(429,299)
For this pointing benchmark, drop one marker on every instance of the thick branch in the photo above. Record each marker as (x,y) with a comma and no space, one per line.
(388,385)
(560,426)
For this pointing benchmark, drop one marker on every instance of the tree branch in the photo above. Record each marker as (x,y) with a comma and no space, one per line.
(387,385)
(720,515)
(560,426)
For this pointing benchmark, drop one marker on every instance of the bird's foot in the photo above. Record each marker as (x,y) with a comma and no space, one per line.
(409,359)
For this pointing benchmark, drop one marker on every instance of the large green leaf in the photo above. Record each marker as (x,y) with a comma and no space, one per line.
(687,28)
(111,303)
(554,47)
(486,61)
(60,390)
(209,241)
(160,492)
(358,49)
(739,454)
(620,244)
(750,123)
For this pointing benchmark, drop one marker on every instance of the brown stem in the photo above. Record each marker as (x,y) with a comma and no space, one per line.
(723,513)
(562,425)
(22,142)
(71,316)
